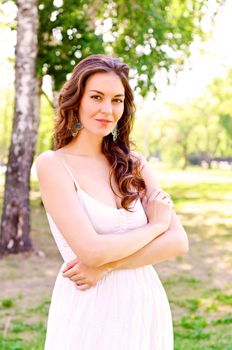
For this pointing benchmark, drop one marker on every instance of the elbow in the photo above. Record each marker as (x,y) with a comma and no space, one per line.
(93,261)
(183,243)
(92,257)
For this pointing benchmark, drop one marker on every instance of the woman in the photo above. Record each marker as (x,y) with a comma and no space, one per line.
(109,217)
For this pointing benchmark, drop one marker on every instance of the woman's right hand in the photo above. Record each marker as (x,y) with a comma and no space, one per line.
(158,208)
(82,275)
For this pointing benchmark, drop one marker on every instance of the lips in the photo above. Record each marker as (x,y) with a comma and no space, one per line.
(105,121)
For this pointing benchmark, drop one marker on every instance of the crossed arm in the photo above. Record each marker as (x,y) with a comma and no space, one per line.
(171,243)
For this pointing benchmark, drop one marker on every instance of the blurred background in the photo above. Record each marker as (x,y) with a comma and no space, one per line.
(180,56)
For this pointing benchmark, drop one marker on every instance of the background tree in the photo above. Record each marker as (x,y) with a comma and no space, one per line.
(221,92)
(148,132)
(192,131)
(179,131)
(66,35)
(150,36)
(15,224)
(210,136)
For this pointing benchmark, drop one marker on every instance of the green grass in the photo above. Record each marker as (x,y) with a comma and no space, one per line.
(198,285)
(23,327)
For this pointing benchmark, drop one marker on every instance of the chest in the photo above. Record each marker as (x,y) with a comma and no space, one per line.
(94,178)
(106,219)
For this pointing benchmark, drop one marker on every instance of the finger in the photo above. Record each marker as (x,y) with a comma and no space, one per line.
(163,199)
(153,197)
(166,199)
(71,272)
(78,279)
(70,265)
(155,193)
(168,202)
(166,195)
(83,287)
(162,195)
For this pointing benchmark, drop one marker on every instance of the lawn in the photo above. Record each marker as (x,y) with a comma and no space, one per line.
(198,285)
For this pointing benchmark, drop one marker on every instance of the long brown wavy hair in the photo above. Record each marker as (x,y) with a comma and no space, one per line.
(125,166)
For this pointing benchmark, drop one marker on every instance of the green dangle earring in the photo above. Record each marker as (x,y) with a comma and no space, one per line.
(78,127)
(114,132)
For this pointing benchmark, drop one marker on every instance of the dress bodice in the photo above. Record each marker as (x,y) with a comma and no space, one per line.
(104,218)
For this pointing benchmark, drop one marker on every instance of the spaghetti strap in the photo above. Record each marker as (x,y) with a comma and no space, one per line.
(69,171)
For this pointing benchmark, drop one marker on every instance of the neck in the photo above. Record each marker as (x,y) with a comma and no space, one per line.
(85,145)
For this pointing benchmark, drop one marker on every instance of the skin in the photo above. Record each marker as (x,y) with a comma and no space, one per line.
(171,243)
(101,103)
(57,186)
(103,99)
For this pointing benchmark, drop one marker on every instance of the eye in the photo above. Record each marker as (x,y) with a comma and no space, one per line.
(118,100)
(96,97)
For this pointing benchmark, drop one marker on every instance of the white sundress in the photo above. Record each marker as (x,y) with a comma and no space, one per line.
(126,310)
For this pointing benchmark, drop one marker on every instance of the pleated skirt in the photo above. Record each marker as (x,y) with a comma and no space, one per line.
(126,310)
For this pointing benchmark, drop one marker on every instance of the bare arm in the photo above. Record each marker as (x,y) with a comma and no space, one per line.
(172,243)
(62,203)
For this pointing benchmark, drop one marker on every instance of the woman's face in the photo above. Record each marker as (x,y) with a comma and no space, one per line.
(102,103)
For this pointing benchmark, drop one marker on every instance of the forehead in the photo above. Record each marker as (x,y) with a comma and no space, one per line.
(105,82)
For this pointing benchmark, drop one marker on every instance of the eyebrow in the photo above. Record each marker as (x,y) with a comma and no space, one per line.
(101,93)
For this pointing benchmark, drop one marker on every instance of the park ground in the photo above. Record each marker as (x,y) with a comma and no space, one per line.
(198,285)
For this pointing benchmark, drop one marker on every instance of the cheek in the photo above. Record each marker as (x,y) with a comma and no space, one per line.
(120,110)
(85,107)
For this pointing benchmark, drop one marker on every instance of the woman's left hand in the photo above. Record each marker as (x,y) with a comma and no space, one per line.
(82,275)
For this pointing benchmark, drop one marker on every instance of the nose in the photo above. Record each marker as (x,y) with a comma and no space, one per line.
(106,107)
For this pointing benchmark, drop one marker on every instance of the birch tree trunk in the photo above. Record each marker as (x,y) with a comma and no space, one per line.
(15,223)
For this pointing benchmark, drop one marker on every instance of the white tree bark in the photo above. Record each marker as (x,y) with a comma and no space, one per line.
(15,224)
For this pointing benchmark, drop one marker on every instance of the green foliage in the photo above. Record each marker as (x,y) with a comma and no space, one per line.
(145,34)
(47,115)
(66,35)
(152,35)
(225,320)
(148,35)
(184,130)
(226,122)
(195,322)
(221,92)
(148,133)
(225,298)
(7,303)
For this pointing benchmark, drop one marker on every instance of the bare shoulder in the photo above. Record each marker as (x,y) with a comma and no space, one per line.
(137,156)
(44,157)
(147,173)
(47,163)
(47,158)
(51,175)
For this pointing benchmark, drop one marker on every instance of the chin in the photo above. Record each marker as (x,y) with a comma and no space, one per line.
(103,134)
